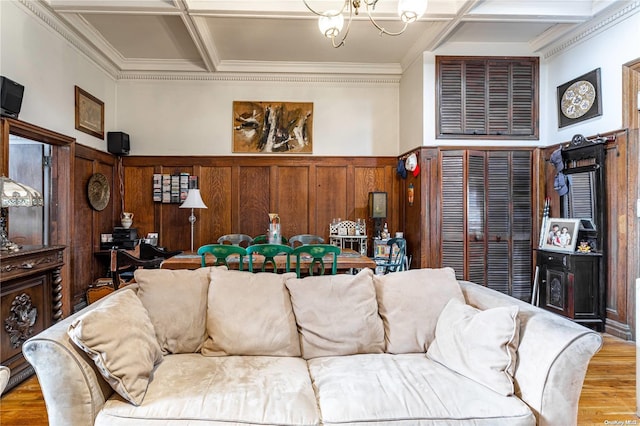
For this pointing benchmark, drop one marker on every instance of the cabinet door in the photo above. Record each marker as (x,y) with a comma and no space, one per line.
(487,218)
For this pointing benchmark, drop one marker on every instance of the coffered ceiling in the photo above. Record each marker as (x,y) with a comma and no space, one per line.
(210,36)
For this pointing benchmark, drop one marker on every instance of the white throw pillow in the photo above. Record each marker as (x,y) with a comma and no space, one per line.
(410,303)
(250,314)
(177,304)
(337,314)
(480,345)
(119,337)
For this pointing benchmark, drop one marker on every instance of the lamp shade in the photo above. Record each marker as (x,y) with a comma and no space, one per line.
(14,194)
(331,23)
(411,10)
(193,201)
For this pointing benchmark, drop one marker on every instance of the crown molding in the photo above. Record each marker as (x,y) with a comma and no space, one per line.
(594,27)
(49,18)
(351,79)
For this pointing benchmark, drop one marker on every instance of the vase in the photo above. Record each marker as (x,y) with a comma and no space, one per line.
(126,220)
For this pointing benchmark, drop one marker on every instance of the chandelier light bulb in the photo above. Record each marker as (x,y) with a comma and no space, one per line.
(411,10)
(331,23)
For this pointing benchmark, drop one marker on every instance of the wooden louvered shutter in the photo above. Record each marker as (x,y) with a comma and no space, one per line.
(453,215)
(487,97)
(475,211)
(498,221)
(521,219)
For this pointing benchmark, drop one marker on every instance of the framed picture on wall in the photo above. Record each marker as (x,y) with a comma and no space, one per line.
(273,127)
(561,234)
(579,99)
(89,113)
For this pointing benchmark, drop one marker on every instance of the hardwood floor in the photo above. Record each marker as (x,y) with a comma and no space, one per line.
(608,395)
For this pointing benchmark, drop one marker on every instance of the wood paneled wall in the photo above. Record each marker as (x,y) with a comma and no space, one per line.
(239,191)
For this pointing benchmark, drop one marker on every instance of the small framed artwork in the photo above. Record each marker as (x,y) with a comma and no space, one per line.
(561,234)
(273,127)
(377,205)
(579,99)
(89,113)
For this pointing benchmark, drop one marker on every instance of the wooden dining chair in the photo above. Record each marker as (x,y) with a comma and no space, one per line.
(242,240)
(264,239)
(303,239)
(397,254)
(269,251)
(317,252)
(221,252)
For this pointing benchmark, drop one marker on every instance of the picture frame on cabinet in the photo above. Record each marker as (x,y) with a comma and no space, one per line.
(89,113)
(561,234)
(579,99)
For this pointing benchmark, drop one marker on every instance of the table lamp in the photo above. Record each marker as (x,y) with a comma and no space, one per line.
(193,201)
(14,194)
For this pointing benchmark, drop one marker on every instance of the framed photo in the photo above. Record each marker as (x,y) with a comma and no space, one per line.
(273,127)
(89,114)
(561,234)
(579,99)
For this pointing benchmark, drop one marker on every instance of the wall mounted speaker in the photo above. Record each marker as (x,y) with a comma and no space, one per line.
(10,97)
(118,143)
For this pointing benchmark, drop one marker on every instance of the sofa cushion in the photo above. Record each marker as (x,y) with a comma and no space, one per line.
(119,337)
(407,389)
(177,304)
(337,314)
(410,303)
(250,314)
(480,345)
(197,390)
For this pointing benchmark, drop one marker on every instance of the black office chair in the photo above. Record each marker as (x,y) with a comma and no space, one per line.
(149,251)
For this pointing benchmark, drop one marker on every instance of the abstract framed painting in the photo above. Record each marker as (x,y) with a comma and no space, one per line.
(272,127)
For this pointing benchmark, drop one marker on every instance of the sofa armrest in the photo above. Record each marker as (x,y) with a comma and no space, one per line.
(553,356)
(73,389)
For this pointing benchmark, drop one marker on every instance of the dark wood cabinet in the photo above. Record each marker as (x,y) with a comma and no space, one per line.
(570,286)
(486,218)
(31,301)
(573,284)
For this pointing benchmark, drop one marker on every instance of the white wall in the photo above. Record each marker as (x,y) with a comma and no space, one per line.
(195,117)
(48,66)
(608,50)
(412,106)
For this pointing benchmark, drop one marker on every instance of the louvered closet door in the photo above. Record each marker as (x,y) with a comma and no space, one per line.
(452,231)
(476,259)
(521,219)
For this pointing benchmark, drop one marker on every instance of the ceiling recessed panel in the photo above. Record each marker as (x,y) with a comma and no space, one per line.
(300,40)
(498,32)
(146,36)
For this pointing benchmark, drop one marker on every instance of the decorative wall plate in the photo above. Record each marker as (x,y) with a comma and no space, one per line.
(98,191)
(579,99)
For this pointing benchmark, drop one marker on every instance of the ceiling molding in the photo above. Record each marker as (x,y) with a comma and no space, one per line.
(53,21)
(594,27)
(351,79)
(310,67)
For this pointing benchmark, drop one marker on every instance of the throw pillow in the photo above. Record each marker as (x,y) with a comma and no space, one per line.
(119,337)
(337,314)
(480,345)
(410,303)
(250,314)
(177,304)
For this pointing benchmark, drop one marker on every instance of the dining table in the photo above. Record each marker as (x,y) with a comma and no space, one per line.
(348,260)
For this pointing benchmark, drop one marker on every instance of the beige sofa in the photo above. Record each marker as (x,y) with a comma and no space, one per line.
(221,347)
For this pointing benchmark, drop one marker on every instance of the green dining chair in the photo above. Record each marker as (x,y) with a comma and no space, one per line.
(317,253)
(397,255)
(263,239)
(269,251)
(242,240)
(221,252)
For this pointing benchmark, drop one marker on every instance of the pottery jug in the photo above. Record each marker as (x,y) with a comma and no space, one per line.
(126,219)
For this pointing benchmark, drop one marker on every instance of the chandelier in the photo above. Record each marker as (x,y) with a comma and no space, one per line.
(331,22)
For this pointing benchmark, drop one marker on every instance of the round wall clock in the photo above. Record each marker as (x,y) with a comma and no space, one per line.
(578,99)
(98,191)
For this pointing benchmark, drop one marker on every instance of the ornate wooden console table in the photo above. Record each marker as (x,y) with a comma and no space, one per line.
(31,301)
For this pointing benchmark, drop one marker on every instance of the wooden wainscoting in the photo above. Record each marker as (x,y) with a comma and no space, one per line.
(240,191)
(608,394)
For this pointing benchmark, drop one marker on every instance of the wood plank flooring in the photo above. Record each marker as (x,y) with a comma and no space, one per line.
(608,395)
